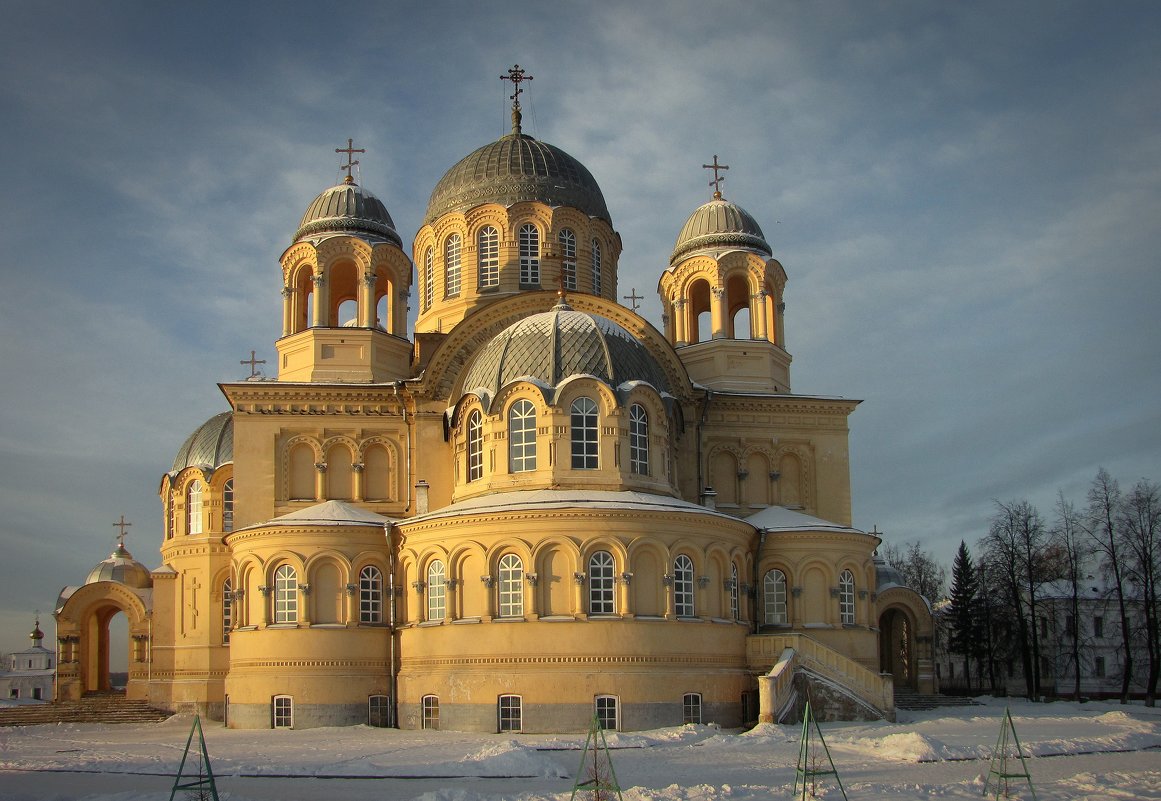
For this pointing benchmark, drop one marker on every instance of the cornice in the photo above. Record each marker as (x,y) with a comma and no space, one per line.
(297,399)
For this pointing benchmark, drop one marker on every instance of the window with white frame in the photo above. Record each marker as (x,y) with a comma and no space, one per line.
(607,712)
(529,255)
(509,711)
(683,586)
(511,586)
(691,708)
(193,507)
(638,440)
(584,434)
(452,253)
(846,598)
(489,255)
(521,437)
(774,598)
(428,278)
(283,712)
(379,711)
(436,591)
(431,711)
(370,595)
(228,505)
(601,580)
(567,241)
(735,605)
(596,265)
(227,611)
(475,445)
(285,595)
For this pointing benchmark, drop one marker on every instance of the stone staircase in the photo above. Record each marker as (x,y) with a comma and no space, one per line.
(95,708)
(904,699)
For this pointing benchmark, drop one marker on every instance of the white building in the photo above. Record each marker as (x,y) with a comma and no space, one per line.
(28,676)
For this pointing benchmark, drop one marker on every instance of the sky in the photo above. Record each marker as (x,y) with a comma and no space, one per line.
(966,199)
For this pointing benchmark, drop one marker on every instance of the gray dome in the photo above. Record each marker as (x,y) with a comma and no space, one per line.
(122,568)
(887,575)
(551,346)
(347,209)
(210,447)
(719,224)
(517,168)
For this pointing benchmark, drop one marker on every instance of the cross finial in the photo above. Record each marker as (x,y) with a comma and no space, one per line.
(255,362)
(561,300)
(350,150)
(121,524)
(517,76)
(633,297)
(718,180)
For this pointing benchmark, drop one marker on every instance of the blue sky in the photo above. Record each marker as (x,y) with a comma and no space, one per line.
(966,199)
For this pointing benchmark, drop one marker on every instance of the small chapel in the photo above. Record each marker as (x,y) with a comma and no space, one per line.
(530,508)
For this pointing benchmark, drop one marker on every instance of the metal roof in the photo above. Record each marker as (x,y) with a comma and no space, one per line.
(347,209)
(122,568)
(719,224)
(210,446)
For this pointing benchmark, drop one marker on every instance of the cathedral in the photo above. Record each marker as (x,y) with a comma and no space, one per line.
(530,510)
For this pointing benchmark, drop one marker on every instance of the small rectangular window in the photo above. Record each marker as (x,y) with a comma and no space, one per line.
(431,712)
(691,708)
(509,711)
(37,694)
(1098,626)
(606,711)
(283,712)
(1099,667)
(378,711)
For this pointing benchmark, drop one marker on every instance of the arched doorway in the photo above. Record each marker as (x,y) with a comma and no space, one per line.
(104,648)
(102,629)
(897,654)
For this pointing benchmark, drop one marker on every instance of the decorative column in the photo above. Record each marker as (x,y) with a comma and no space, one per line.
(718,313)
(304,604)
(759,316)
(318,313)
(680,324)
(352,614)
(453,598)
(357,489)
(398,322)
(489,599)
(287,311)
(366,304)
(624,599)
(320,479)
(533,580)
(578,597)
(667,583)
(264,589)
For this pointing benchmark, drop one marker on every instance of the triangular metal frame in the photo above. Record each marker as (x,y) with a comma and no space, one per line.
(202,783)
(600,788)
(1003,774)
(805,772)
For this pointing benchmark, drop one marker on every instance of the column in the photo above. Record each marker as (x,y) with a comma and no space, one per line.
(680,324)
(318,313)
(366,315)
(759,316)
(287,311)
(718,313)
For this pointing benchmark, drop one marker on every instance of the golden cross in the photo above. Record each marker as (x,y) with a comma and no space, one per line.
(718,180)
(121,524)
(516,76)
(351,150)
(633,297)
(255,362)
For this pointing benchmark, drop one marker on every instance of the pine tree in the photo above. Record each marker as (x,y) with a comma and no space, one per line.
(964,622)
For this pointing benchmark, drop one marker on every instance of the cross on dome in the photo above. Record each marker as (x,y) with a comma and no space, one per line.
(121,524)
(255,362)
(718,180)
(350,150)
(517,76)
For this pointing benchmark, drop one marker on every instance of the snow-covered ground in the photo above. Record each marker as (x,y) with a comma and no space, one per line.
(1089,751)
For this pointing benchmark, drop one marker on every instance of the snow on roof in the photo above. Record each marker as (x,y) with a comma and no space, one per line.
(779,518)
(524,500)
(328,513)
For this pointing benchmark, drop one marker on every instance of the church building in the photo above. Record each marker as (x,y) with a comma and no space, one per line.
(532,508)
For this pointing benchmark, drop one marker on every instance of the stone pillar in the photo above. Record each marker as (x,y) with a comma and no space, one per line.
(680,324)
(287,311)
(319,312)
(718,313)
(366,316)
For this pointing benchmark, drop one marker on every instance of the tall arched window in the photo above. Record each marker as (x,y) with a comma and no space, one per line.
(193,507)
(735,606)
(567,241)
(452,251)
(227,611)
(228,505)
(436,591)
(774,598)
(489,253)
(521,437)
(529,255)
(638,440)
(285,595)
(601,584)
(847,598)
(683,586)
(596,267)
(428,278)
(584,434)
(475,445)
(511,586)
(370,595)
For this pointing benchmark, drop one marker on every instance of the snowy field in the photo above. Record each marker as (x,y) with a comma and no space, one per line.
(1089,751)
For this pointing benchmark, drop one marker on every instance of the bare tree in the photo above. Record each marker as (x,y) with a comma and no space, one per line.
(1102,523)
(918,568)
(1140,533)
(1071,545)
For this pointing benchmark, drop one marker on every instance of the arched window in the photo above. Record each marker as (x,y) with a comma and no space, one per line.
(285,595)
(475,445)
(691,708)
(638,440)
(584,434)
(428,278)
(846,598)
(511,586)
(596,267)
(228,506)
(774,598)
(735,606)
(601,584)
(431,712)
(683,586)
(489,253)
(436,591)
(529,255)
(608,713)
(567,241)
(227,611)
(193,507)
(452,250)
(521,437)
(370,595)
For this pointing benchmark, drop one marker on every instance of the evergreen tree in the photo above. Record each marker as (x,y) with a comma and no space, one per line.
(964,621)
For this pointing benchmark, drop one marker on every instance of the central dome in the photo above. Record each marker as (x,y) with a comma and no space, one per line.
(513,169)
(551,346)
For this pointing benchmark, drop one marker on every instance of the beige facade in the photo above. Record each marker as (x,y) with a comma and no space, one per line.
(532,508)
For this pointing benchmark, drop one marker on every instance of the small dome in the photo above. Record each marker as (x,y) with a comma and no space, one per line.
(719,224)
(517,168)
(347,209)
(551,346)
(887,575)
(122,568)
(36,635)
(210,447)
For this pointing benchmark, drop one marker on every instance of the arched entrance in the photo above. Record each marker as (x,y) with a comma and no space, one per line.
(86,645)
(897,654)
